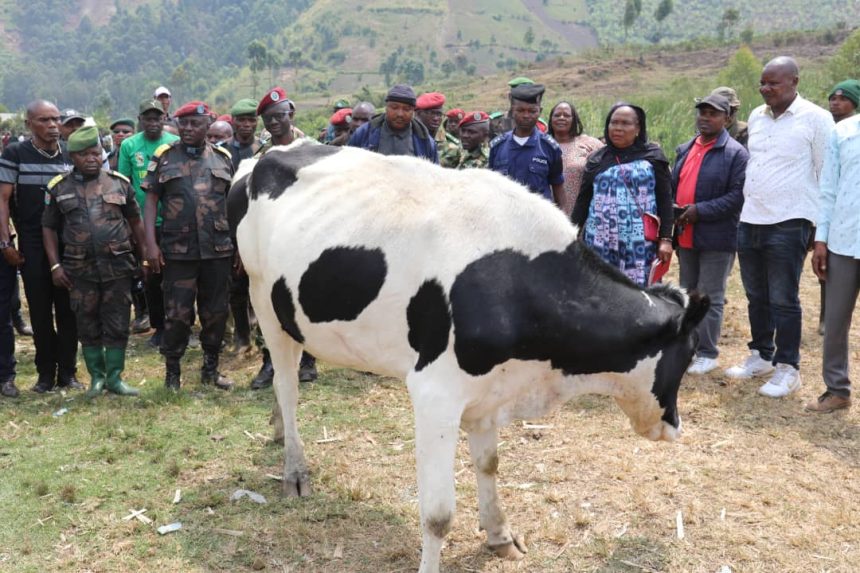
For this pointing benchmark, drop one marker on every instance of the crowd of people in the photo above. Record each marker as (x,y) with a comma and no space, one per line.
(141,219)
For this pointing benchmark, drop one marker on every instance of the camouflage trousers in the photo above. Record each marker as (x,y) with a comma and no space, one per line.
(102,311)
(208,283)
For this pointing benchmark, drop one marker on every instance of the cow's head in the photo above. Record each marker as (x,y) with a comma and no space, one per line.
(653,412)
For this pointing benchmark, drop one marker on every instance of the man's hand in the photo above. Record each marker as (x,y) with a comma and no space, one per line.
(154,258)
(664,250)
(819,260)
(61,279)
(689,216)
(13,257)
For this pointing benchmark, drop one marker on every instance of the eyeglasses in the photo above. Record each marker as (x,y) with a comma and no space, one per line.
(192,121)
(275,116)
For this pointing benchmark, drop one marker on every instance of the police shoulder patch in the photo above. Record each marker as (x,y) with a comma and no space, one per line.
(119,175)
(53,182)
(496,140)
(159,151)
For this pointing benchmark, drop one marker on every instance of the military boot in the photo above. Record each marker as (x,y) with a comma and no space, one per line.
(115,364)
(266,374)
(241,328)
(94,358)
(209,372)
(172,374)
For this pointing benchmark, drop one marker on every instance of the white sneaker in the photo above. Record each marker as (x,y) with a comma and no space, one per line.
(784,381)
(752,367)
(702,365)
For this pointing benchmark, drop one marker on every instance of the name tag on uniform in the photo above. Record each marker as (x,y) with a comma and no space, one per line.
(540,160)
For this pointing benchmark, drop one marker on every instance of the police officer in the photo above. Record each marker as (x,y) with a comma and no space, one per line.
(191,178)
(97,214)
(474,129)
(525,154)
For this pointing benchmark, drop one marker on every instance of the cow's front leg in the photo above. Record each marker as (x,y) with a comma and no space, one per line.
(501,540)
(437,425)
(286,384)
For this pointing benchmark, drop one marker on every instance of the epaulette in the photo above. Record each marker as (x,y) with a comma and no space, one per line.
(56,180)
(159,151)
(551,140)
(496,140)
(224,151)
(119,175)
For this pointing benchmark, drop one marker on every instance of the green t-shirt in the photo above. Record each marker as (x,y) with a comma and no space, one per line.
(134,155)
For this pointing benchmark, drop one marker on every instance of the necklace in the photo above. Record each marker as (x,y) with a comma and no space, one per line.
(44,153)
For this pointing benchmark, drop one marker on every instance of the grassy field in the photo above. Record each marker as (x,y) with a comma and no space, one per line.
(760,485)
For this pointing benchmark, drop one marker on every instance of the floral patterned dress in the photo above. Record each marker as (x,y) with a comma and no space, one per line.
(614,228)
(573,156)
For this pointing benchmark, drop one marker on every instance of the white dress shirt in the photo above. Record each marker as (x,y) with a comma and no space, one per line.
(786,156)
(839,215)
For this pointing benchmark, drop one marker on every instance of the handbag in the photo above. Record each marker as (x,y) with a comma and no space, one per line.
(650,221)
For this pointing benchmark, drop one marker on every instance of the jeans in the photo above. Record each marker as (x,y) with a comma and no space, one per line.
(707,272)
(771,260)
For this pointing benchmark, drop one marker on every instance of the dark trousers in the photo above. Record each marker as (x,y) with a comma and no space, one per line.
(56,348)
(842,287)
(771,260)
(707,272)
(8,286)
(154,294)
(208,283)
(240,303)
(102,311)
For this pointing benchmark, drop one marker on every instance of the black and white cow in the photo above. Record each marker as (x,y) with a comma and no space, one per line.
(465,285)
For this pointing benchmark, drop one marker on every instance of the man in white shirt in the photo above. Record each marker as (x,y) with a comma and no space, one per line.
(836,259)
(787,141)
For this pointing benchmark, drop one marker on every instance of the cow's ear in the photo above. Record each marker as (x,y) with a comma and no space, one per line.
(696,310)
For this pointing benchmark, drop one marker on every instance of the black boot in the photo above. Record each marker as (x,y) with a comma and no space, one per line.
(209,372)
(20,325)
(68,380)
(172,373)
(155,340)
(45,383)
(266,374)
(9,389)
(307,368)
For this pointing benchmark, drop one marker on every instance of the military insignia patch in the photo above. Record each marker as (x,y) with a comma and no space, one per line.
(274,96)
(47,198)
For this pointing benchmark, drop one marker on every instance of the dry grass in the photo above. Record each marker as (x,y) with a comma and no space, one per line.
(761,485)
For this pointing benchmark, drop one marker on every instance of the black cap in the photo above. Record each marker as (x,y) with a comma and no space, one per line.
(717,102)
(529,93)
(401,93)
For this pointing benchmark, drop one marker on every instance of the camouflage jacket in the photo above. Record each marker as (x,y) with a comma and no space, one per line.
(740,132)
(475,158)
(192,187)
(92,219)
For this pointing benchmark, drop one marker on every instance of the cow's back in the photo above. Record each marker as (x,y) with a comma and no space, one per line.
(354,237)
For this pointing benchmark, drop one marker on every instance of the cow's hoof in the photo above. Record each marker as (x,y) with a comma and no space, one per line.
(512,551)
(297,485)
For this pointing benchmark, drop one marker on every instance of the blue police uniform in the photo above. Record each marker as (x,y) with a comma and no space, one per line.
(537,164)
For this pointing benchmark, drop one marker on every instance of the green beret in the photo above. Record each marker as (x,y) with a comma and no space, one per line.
(497,114)
(849,89)
(84,138)
(521,80)
(123,121)
(245,106)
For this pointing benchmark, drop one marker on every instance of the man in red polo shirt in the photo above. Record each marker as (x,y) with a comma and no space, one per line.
(708,178)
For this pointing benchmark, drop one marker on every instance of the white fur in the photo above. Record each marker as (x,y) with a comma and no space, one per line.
(430,223)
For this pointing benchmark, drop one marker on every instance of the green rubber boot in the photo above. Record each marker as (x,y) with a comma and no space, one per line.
(94,357)
(115,361)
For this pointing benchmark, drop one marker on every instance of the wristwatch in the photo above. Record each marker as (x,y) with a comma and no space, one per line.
(6,245)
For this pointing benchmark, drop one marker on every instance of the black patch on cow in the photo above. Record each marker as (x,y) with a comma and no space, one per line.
(278,170)
(429,321)
(237,204)
(285,310)
(569,308)
(341,283)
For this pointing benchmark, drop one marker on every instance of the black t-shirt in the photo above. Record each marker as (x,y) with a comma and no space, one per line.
(30,171)
(239,151)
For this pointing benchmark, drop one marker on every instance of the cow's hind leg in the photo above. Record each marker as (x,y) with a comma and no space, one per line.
(285,359)
(437,427)
(485,457)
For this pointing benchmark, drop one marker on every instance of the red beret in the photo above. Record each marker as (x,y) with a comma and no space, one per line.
(455,114)
(341,117)
(541,125)
(430,100)
(474,117)
(193,108)
(225,117)
(273,96)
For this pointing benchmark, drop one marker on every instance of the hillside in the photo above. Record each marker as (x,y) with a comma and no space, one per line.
(104,56)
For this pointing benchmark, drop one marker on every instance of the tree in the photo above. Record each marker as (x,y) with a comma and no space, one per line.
(730,19)
(632,9)
(529,37)
(663,10)
(258,60)
(846,61)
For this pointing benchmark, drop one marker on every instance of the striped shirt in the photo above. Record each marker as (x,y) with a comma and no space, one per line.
(29,171)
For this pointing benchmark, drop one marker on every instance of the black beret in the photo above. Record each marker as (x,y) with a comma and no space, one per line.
(529,93)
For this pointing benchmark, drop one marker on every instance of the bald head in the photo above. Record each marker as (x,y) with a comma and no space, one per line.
(778,83)
(361,114)
(43,121)
(219,132)
(41,106)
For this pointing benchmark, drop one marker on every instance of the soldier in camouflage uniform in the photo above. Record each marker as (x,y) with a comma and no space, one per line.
(474,131)
(97,214)
(191,178)
(428,110)
(737,129)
